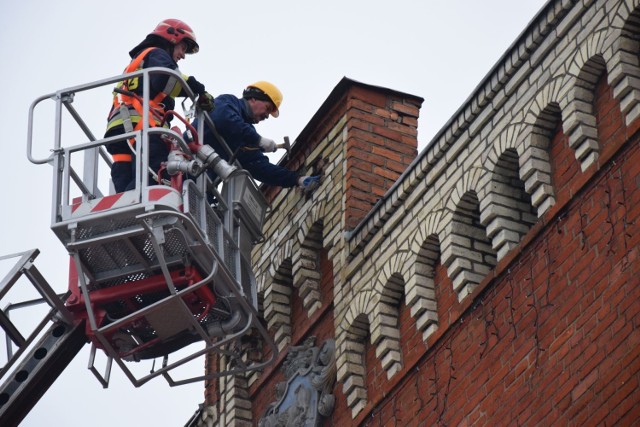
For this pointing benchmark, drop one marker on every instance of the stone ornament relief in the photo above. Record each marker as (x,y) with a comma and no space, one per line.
(307,393)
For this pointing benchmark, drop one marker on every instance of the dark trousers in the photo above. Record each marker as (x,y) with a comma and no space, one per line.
(123,173)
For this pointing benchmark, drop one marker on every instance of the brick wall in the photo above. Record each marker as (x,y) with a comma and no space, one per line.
(552,341)
(496,280)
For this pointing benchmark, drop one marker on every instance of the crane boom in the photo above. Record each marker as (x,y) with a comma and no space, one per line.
(39,370)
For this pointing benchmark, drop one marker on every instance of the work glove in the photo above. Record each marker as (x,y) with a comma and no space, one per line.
(267,145)
(205,102)
(196,86)
(308,183)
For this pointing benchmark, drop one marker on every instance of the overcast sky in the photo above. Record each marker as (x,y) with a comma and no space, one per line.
(439,50)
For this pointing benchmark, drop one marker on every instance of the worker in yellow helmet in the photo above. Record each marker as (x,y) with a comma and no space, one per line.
(163,47)
(266,92)
(235,119)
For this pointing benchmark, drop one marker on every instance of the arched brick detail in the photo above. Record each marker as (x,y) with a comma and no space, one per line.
(276,288)
(509,137)
(579,122)
(391,292)
(535,168)
(283,251)
(505,206)
(350,343)
(623,60)
(468,182)
(385,334)
(306,268)
(277,305)
(420,294)
(306,262)
(466,249)
(308,216)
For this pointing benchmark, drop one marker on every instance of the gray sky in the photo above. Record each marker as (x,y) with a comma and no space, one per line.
(439,50)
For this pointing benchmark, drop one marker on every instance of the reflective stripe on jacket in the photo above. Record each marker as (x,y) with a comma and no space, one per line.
(127,110)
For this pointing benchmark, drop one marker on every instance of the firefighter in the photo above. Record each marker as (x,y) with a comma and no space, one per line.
(169,42)
(235,118)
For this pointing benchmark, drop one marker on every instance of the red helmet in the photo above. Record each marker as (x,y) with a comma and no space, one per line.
(176,31)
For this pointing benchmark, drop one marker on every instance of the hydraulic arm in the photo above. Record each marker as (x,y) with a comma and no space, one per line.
(38,359)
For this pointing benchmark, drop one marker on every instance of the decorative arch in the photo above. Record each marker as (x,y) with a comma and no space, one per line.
(506,210)
(505,207)
(535,165)
(281,253)
(306,261)
(306,268)
(470,181)
(351,334)
(305,220)
(420,293)
(579,122)
(277,296)
(466,249)
(385,332)
(509,138)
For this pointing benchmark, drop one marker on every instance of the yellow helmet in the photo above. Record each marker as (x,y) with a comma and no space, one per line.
(265,91)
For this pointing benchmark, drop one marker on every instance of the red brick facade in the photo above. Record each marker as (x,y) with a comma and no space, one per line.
(549,333)
(551,337)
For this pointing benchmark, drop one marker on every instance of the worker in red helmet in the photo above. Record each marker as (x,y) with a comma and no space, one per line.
(169,42)
(235,118)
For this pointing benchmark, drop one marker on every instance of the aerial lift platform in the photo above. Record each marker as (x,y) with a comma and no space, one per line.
(153,272)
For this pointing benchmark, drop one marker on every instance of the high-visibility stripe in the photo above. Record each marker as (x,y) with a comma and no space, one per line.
(97,205)
(156,194)
(122,157)
(133,103)
(107,202)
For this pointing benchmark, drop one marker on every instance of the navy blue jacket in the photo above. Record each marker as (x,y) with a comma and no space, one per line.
(234,122)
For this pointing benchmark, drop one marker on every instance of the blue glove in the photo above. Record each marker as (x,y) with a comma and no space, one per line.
(309,183)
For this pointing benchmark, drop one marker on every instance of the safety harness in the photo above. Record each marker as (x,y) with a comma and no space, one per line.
(123,103)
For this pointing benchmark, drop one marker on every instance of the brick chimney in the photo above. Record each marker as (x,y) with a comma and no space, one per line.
(382,140)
